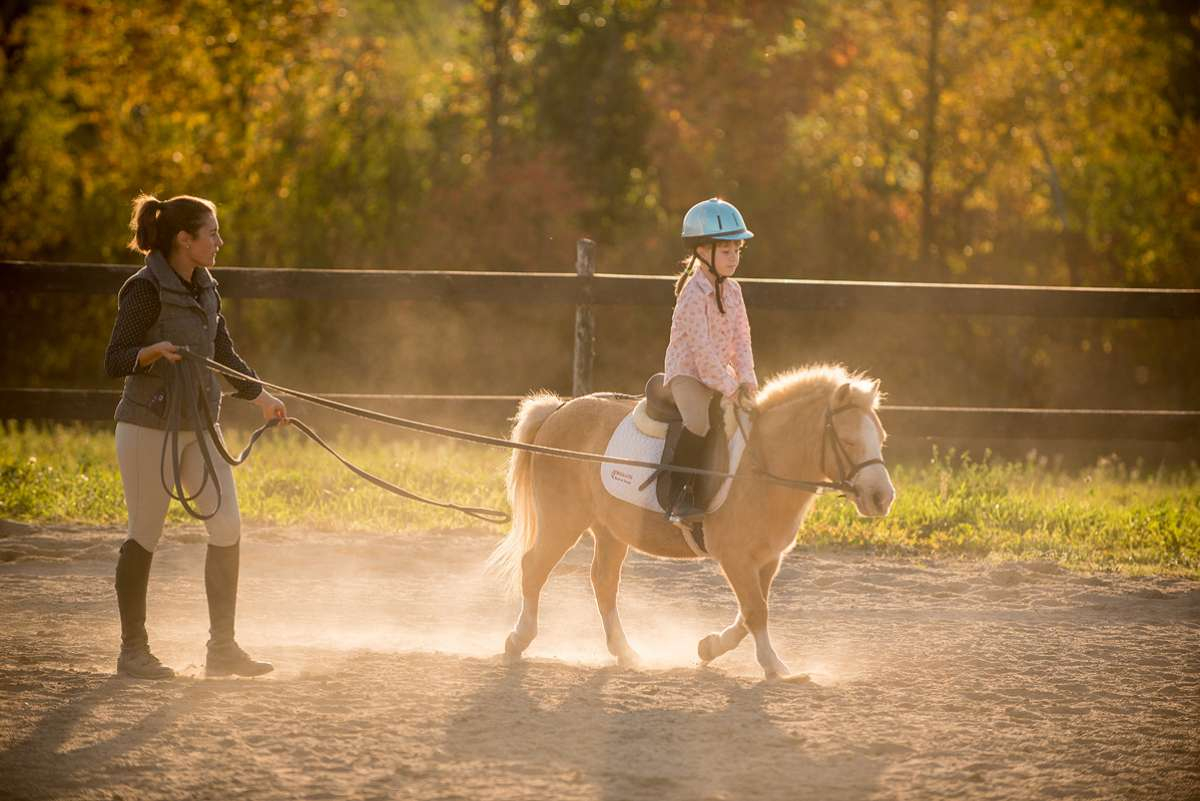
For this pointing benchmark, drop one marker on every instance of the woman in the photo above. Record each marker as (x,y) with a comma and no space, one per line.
(169,303)
(709,351)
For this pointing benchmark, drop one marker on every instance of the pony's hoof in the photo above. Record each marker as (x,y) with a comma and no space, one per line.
(629,660)
(777,671)
(707,649)
(512,651)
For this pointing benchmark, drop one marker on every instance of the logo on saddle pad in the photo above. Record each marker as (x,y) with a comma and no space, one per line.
(641,438)
(620,475)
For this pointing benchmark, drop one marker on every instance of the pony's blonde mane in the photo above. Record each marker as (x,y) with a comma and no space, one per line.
(817,382)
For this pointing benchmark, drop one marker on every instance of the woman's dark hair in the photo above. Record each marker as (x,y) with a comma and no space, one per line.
(155,222)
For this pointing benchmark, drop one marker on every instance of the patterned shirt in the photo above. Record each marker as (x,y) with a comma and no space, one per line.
(711,347)
(137,309)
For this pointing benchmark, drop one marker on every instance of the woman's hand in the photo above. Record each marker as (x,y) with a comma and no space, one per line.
(159,350)
(272,407)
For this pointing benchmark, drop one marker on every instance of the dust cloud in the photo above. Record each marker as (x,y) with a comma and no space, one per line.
(929,679)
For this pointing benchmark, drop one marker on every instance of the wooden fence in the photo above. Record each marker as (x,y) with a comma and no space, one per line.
(584,290)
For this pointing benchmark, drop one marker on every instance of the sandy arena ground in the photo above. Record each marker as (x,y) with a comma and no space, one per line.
(931,679)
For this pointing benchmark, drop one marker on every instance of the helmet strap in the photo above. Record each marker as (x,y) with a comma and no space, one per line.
(718,279)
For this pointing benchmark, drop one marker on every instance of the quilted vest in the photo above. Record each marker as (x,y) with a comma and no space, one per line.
(182,320)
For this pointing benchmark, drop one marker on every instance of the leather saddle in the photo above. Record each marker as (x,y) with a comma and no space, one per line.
(660,406)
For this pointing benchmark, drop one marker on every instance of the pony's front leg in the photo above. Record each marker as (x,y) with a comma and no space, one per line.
(744,579)
(723,641)
(729,638)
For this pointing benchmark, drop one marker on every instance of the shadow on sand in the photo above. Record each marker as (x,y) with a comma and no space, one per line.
(682,733)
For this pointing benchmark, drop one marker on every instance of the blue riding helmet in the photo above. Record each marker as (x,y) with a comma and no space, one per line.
(714,219)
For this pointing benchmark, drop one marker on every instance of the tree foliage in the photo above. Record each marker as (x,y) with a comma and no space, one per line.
(1019,141)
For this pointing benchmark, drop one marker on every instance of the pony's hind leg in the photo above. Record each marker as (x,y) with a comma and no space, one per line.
(548,549)
(731,637)
(607,558)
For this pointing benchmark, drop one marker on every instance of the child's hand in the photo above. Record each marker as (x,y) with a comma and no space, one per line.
(745,398)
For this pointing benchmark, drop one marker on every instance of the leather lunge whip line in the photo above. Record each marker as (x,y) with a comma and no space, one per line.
(489,515)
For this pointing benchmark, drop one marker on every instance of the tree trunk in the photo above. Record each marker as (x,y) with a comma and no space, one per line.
(928,156)
(498,35)
(1071,250)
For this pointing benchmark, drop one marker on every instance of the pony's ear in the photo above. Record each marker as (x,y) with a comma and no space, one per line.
(841,395)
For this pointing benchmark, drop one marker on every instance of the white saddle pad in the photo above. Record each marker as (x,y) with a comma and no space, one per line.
(638,437)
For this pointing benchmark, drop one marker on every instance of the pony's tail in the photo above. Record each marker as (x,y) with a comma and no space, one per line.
(505,560)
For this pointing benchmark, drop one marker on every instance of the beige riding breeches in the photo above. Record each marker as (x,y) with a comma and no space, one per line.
(139,451)
(692,397)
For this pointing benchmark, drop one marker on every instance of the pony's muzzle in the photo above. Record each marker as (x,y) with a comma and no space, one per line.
(874,499)
(881,500)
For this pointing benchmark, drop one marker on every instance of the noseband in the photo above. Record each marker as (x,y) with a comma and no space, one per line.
(847,468)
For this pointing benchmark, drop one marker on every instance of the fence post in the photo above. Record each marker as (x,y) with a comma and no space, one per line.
(585,324)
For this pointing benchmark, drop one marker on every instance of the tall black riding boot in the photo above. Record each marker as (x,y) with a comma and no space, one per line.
(688,452)
(225,658)
(133,578)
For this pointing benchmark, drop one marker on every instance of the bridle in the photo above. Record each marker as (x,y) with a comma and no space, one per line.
(847,467)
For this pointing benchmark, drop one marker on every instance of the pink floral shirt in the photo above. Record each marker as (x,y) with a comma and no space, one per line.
(711,347)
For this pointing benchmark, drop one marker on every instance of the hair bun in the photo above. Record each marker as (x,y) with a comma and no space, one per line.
(155,222)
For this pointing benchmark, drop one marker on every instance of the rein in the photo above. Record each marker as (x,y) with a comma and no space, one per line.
(488,515)
(186,384)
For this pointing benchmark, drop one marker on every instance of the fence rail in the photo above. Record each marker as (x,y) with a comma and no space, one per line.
(631,290)
(585,289)
(900,421)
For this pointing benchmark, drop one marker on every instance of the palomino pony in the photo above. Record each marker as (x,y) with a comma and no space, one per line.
(813,424)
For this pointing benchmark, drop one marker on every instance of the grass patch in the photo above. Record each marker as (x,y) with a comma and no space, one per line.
(69,474)
(1109,516)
